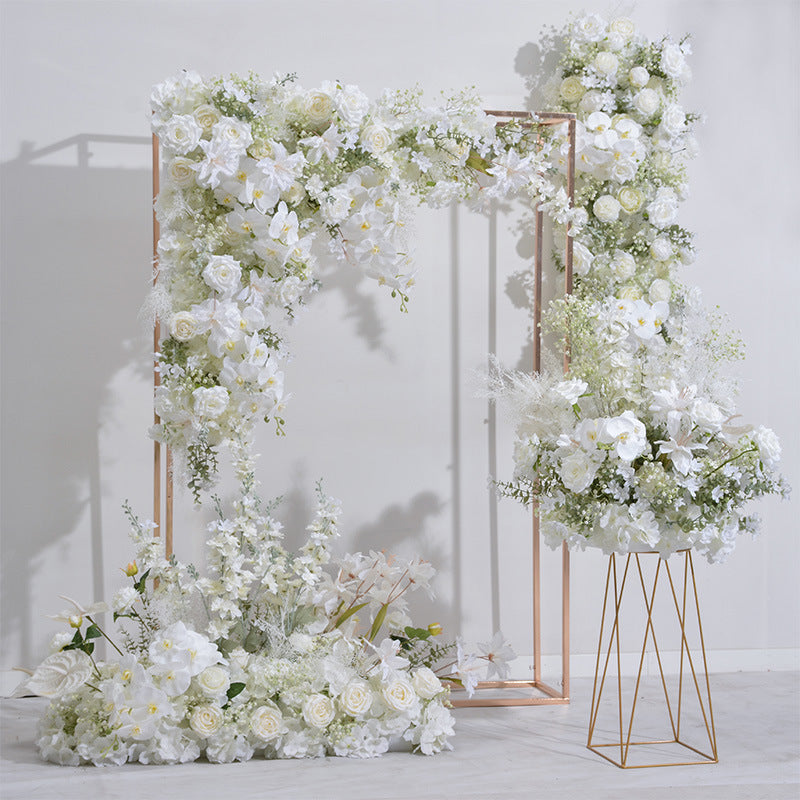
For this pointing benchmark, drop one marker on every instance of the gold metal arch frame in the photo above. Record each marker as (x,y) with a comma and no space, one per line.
(691,696)
(535,690)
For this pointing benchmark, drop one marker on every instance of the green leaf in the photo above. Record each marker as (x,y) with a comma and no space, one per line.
(417,633)
(349,613)
(140,584)
(77,639)
(234,689)
(93,632)
(88,648)
(379,618)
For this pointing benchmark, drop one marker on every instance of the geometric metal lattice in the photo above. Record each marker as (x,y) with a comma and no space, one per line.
(625,748)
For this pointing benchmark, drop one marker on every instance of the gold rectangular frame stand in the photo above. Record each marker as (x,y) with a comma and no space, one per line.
(539,693)
(162,468)
(614,596)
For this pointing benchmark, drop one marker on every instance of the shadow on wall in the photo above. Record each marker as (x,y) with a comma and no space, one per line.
(75,250)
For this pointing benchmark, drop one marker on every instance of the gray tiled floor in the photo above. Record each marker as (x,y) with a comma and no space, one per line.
(499,753)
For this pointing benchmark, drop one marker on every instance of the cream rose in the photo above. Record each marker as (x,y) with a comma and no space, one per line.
(660,291)
(266,723)
(622,26)
(606,208)
(606,63)
(375,138)
(646,102)
(630,292)
(206,720)
(399,694)
(318,710)
(214,681)
(571,89)
(425,683)
(356,698)
(210,402)
(182,326)
(318,107)
(180,172)
(207,117)
(630,199)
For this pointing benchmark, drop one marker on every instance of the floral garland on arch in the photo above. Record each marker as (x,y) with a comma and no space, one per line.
(265,180)
(275,653)
(639,446)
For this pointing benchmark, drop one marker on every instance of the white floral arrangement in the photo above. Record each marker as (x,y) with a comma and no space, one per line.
(263,181)
(268,655)
(639,446)
(274,653)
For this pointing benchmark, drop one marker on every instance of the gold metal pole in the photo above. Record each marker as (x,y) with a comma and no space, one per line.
(551,695)
(156,339)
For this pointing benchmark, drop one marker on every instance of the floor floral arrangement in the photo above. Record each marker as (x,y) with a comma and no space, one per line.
(275,653)
(639,446)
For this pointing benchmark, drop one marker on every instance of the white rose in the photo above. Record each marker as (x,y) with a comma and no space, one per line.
(206,720)
(180,172)
(207,117)
(582,259)
(663,210)
(60,674)
(606,63)
(590,28)
(399,694)
(318,107)
(571,89)
(606,208)
(266,723)
(630,199)
(182,326)
(318,710)
(335,205)
(180,134)
(214,681)
(375,138)
(577,471)
(592,101)
(673,120)
(769,447)
(352,105)
(426,684)
(222,274)
(623,265)
(673,61)
(630,292)
(210,402)
(622,26)
(356,698)
(234,132)
(661,249)
(294,194)
(639,77)
(646,102)
(124,599)
(660,291)
(290,290)
(708,415)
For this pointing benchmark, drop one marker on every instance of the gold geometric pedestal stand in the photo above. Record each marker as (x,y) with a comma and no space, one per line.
(633,736)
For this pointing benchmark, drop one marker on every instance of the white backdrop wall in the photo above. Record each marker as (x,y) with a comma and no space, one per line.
(383,403)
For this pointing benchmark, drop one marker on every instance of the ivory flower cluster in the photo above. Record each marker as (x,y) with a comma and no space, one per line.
(263,183)
(639,446)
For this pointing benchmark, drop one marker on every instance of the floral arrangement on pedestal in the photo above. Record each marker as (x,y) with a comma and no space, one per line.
(639,445)
(275,653)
